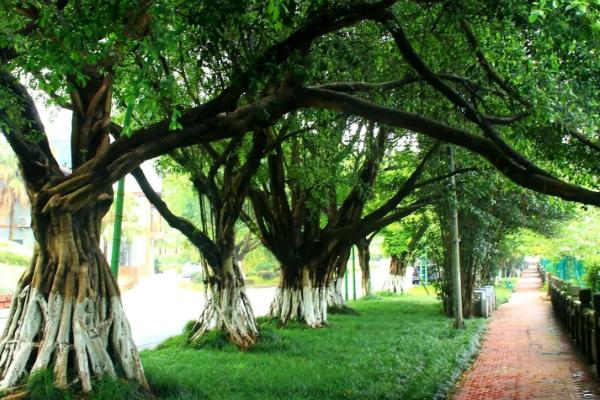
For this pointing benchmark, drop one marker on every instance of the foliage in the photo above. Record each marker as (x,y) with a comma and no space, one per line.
(130,220)
(266,275)
(260,260)
(10,258)
(592,273)
(197,277)
(398,347)
(490,209)
(574,238)
(12,189)
(503,294)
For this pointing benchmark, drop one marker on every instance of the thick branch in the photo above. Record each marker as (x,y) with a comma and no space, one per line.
(460,137)
(468,110)
(25,133)
(194,235)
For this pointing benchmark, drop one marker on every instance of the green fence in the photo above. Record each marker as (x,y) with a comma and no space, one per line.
(568,269)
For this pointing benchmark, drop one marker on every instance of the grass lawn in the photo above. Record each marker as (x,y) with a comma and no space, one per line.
(398,347)
(503,293)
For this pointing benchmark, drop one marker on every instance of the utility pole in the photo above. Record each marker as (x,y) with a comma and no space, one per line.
(116,242)
(120,196)
(457,289)
(119,200)
(353,274)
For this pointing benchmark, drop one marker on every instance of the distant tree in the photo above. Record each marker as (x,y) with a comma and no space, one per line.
(12,189)
(401,242)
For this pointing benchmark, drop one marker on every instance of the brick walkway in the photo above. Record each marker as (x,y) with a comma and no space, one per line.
(527,355)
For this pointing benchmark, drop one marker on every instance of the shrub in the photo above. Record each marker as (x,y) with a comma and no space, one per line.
(592,273)
(265,266)
(197,277)
(7,257)
(266,275)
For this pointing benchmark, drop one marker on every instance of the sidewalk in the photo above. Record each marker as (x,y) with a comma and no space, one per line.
(526,354)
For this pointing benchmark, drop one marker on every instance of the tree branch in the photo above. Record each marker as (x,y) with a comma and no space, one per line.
(435,129)
(194,235)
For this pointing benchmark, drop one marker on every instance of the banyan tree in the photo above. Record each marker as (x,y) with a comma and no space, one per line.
(225,69)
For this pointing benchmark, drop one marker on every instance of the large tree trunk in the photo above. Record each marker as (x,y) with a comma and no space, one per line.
(226,307)
(364,258)
(338,265)
(335,294)
(396,279)
(300,297)
(66,313)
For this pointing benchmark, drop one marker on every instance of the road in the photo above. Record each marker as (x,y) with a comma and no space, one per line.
(158,307)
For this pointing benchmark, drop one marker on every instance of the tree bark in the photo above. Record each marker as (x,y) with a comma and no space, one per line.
(337,266)
(66,313)
(395,282)
(300,297)
(364,258)
(226,307)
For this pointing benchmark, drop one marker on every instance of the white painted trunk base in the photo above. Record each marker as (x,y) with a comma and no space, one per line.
(307,304)
(97,332)
(228,310)
(395,284)
(335,296)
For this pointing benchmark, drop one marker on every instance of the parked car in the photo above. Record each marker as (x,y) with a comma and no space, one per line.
(191,268)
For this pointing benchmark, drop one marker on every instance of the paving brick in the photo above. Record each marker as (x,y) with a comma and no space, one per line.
(527,355)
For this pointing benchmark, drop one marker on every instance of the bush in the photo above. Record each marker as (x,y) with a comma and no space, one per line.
(7,257)
(265,266)
(197,277)
(592,273)
(266,275)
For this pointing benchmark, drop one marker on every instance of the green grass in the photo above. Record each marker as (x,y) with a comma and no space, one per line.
(502,293)
(398,347)
(40,386)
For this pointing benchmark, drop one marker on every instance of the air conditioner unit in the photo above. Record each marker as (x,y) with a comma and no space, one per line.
(24,222)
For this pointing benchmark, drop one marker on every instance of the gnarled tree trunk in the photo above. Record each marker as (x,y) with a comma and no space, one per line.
(300,297)
(66,314)
(226,306)
(335,295)
(364,258)
(338,264)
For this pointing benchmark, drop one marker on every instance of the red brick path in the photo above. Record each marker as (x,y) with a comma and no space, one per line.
(527,355)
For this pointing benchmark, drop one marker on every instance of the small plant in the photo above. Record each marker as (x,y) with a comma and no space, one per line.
(40,386)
